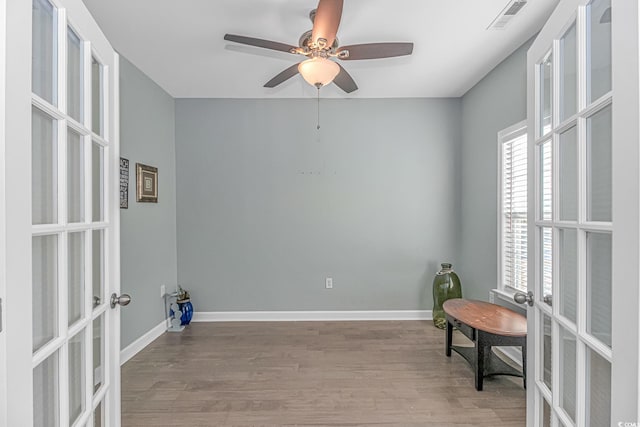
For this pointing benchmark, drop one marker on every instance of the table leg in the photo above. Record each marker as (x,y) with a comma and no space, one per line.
(449,338)
(479,363)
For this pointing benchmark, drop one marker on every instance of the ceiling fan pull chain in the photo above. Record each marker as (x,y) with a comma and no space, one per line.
(318,127)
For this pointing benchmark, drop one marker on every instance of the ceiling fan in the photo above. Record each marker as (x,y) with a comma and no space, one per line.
(320,46)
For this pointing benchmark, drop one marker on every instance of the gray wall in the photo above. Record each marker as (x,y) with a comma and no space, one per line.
(148,230)
(495,103)
(268,206)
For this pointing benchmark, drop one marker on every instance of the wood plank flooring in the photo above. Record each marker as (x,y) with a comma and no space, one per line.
(311,374)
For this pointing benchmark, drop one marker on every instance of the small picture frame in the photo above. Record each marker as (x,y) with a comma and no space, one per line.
(124,183)
(147,183)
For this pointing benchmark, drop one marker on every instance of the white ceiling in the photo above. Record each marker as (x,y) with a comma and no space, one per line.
(179,44)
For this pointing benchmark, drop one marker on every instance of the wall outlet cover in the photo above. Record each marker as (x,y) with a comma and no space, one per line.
(163,291)
(328,283)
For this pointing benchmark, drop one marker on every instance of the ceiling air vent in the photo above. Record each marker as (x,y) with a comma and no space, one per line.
(504,17)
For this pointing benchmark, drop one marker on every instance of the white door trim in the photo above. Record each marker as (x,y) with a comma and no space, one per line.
(17,151)
(626,215)
(3,239)
(113,192)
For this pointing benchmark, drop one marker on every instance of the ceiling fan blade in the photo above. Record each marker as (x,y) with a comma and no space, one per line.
(376,50)
(267,44)
(327,21)
(283,76)
(344,81)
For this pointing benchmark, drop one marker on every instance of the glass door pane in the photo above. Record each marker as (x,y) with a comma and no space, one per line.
(568,273)
(598,390)
(568,74)
(546,182)
(546,413)
(567,389)
(599,48)
(546,351)
(45,290)
(97,101)
(568,175)
(98,417)
(76,277)
(75,177)
(77,370)
(599,286)
(98,267)
(46,396)
(599,166)
(545,108)
(44,51)
(44,164)
(98,352)
(75,81)
(546,245)
(97,189)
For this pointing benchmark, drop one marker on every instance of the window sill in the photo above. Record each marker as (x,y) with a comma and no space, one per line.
(506,296)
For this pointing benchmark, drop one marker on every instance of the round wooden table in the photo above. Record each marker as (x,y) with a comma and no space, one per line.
(486,325)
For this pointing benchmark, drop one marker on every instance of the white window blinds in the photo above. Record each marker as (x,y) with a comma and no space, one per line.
(514,210)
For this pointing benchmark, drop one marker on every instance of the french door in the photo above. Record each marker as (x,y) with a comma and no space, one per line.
(60,218)
(584,183)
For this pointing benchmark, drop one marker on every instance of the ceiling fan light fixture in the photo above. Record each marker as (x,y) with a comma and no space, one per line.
(318,71)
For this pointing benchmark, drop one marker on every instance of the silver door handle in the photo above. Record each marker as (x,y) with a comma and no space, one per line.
(521,298)
(123,300)
(548,299)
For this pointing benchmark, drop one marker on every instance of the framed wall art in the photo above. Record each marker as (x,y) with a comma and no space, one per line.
(124,183)
(147,183)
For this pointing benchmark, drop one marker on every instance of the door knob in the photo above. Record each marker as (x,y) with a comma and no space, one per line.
(123,300)
(521,298)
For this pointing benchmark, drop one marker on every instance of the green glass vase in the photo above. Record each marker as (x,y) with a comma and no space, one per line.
(446,285)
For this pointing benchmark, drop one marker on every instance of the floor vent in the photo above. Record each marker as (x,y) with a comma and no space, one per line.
(504,17)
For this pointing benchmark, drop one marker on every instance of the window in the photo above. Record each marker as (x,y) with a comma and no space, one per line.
(512,223)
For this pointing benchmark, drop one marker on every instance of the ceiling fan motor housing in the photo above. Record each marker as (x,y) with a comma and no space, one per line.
(305,41)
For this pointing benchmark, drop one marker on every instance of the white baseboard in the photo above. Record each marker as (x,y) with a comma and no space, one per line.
(281,316)
(138,345)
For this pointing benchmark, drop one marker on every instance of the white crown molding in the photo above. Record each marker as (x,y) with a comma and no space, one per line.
(138,345)
(281,316)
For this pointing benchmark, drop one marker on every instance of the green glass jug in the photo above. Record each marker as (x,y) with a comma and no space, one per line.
(446,285)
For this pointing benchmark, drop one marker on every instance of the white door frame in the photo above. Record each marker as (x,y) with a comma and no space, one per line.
(625,372)
(3,296)
(625,40)
(16,393)
(17,151)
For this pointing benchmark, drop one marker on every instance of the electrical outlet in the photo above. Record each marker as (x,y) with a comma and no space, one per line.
(492,297)
(328,283)
(163,291)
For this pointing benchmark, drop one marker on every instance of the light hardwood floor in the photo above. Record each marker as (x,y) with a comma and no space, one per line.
(384,373)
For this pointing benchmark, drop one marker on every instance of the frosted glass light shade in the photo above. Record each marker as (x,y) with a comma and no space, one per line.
(318,71)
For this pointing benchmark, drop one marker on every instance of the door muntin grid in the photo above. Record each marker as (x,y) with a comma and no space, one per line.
(69,316)
(573,222)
